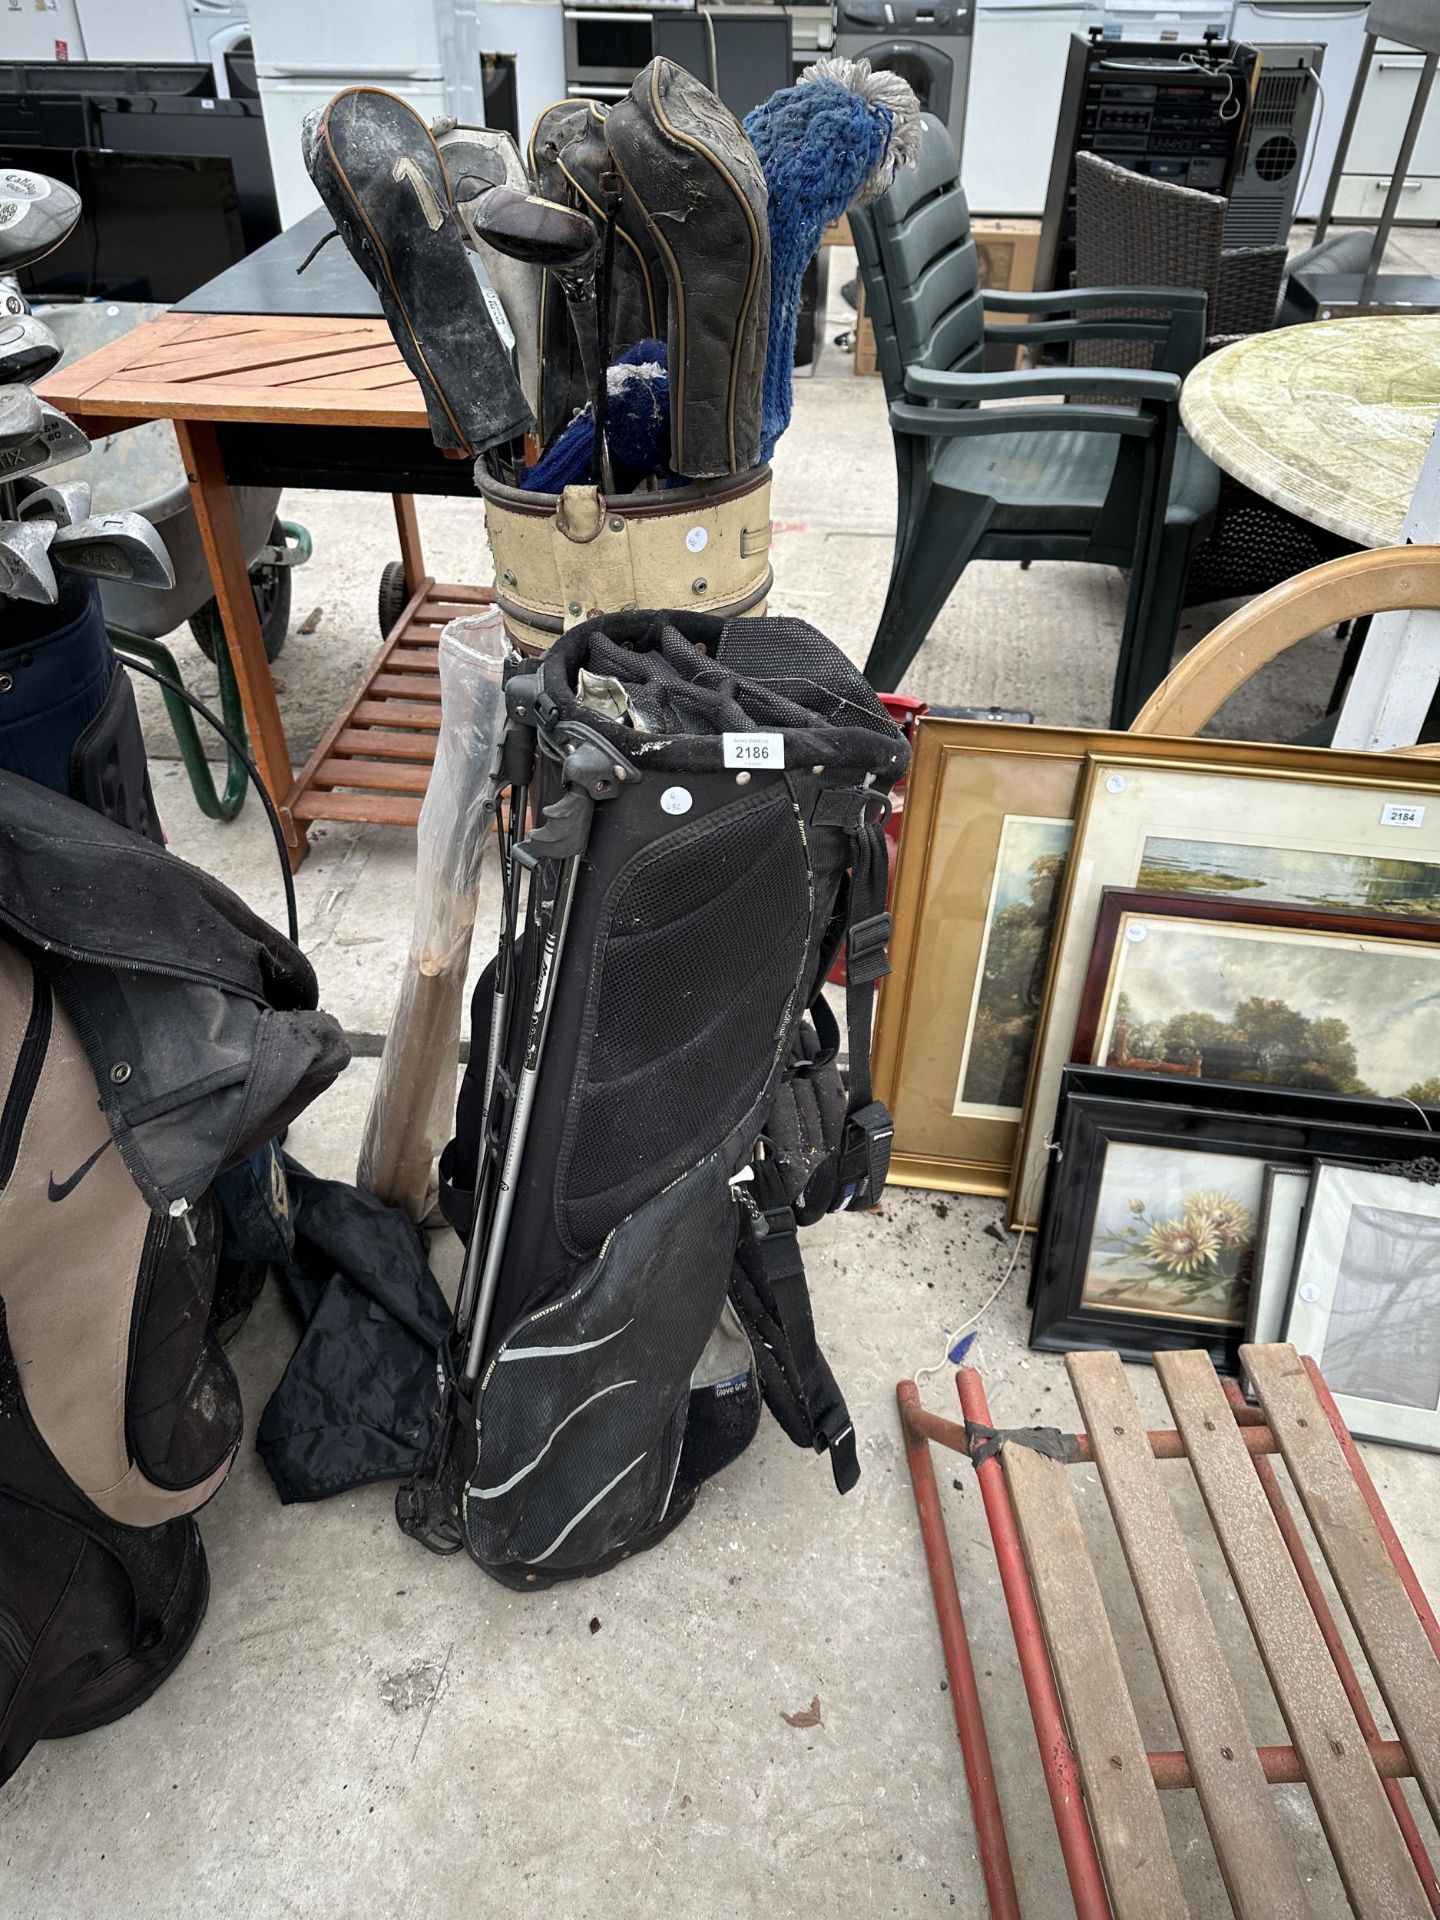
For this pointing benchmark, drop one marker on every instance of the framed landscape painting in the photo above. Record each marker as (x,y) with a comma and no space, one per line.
(987,827)
(1263,995)
(1319,831)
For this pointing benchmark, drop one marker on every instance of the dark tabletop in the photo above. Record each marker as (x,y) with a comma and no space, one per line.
(266,281)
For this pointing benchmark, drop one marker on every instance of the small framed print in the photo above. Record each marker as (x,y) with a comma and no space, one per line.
(1282,1213)
(1365,1302)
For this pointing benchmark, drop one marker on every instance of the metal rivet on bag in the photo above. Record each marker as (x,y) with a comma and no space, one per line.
(508,576)
(617,525)
(699,586)
(120,1072)
(574,606)
(742,779)
(7,681)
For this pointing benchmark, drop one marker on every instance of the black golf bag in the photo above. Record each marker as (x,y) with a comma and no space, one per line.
(648,1111)
(153,1032)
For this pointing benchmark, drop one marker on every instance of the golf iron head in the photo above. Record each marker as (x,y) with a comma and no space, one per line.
(28,349)
(33,434)
(64,503)
(25,569)
(114,546)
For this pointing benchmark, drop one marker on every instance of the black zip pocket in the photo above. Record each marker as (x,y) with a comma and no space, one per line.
(26,1077)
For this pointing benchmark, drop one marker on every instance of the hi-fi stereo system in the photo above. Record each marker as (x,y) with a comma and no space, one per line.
(1174,113)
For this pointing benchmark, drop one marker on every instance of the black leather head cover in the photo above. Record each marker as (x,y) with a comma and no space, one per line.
(637,273)
(687,170)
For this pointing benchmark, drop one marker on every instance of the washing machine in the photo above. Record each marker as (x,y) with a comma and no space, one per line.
(165,30)
(926,42)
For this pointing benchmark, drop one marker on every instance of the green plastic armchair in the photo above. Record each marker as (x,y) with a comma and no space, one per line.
(1103,473)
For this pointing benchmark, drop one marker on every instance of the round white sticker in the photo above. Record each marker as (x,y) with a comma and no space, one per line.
(677,800)
(24,186)
(1135,931)
(10,211)
(1116,783)
(697,539)
(1310,1293)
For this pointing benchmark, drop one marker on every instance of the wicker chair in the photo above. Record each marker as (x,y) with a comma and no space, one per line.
(1134,231)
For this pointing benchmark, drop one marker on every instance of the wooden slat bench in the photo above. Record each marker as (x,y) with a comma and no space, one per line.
(1104,1784)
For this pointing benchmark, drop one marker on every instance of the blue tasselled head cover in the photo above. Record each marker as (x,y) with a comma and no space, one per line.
(833,140)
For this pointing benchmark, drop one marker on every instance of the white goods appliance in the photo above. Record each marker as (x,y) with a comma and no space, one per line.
(156,31)
(1338,27)
(1017,75)
(49,31)
(306,51)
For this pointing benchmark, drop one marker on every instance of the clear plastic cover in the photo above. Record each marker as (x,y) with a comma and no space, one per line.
(412,1109)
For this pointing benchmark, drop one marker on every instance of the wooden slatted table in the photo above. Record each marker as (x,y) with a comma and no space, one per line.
(1103,1782)
(271,397)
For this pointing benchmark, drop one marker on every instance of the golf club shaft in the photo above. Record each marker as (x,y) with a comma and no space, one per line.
(499,1032)
(550,955)
(584,309)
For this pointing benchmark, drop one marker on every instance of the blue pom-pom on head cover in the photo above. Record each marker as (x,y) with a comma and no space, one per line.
(834,139)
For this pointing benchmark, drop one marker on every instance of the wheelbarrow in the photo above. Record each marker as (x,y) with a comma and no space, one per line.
(140,469)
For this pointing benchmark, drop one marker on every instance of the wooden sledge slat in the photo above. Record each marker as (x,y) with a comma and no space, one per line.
(407,658)
(372,776)
(397,713)
(1400,1655)
(1255,1858)
(382,809)
(1120,1795)
(1375,1867)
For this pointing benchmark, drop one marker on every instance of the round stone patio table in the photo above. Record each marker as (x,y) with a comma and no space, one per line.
(1329,420)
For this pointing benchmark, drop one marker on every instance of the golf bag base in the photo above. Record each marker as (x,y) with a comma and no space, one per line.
(709,831)
(95,1615)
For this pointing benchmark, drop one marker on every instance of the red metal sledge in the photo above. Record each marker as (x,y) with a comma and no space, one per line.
(1103,1783)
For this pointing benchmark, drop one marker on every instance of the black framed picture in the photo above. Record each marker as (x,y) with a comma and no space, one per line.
(1152,1207)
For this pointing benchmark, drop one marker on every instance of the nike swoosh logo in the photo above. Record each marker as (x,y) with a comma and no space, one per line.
(59,1190)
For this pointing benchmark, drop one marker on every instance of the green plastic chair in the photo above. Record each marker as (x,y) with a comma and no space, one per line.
(1110,478)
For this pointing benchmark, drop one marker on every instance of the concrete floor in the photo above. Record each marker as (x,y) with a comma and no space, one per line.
(364,1730)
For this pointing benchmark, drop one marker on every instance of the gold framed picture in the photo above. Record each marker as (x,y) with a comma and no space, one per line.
(988,817)
(1300,826)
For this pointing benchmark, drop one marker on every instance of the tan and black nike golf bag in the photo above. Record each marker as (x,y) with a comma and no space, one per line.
(152,1033)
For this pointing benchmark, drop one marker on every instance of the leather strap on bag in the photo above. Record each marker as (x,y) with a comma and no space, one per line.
(864,1159)
(771,1297)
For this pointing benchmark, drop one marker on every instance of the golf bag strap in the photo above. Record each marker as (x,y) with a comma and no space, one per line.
(798,1384)
(865,1150)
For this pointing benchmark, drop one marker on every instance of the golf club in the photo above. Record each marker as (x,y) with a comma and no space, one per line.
(65,503)
(28,349)
(25,569)
(566,243)
(113,546)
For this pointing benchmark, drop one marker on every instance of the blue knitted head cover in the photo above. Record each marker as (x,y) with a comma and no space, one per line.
(638,428)
(818,143)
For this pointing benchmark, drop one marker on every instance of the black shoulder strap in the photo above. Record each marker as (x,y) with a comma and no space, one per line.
(865,1150)
(773,1302)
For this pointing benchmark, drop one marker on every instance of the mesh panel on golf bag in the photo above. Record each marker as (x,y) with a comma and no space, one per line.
(617,1369)
(119,1416)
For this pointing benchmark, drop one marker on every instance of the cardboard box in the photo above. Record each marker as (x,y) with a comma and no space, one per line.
(865,361)
(1008,250)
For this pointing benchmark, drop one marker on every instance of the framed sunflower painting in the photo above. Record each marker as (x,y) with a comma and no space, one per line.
(1153,1204)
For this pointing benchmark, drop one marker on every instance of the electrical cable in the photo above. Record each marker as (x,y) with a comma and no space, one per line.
(1314,139)
(164,680)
